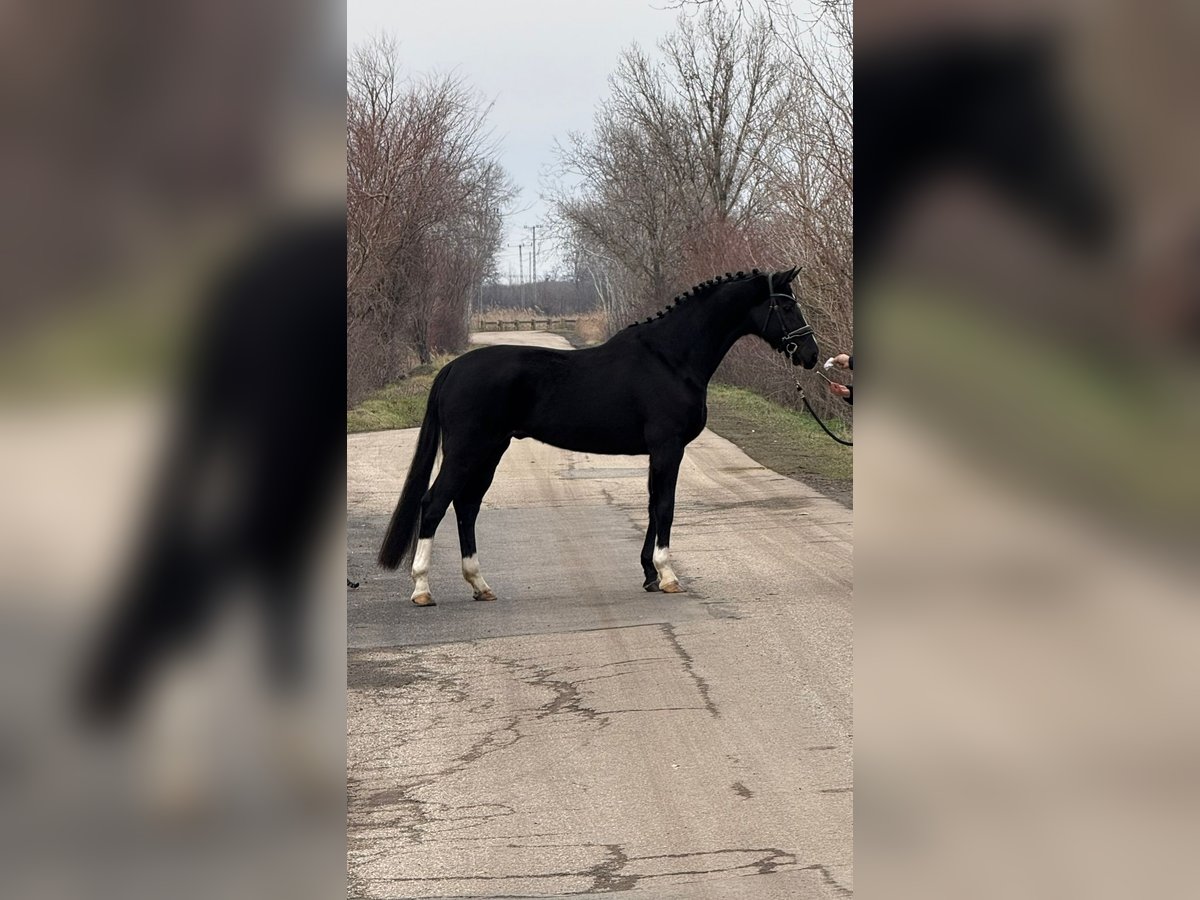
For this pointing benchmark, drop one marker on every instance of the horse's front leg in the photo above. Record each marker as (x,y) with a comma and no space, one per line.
(664,472)
(651,573)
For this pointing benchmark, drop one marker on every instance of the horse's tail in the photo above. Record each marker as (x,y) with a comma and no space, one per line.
(402,530)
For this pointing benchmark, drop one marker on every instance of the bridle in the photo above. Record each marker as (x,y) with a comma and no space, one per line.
(788,344)
(787,341)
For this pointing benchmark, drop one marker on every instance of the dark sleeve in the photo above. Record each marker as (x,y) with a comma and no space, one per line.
(851,363)
(850,399)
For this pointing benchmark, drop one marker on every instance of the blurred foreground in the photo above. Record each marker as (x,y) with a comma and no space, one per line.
(171,628)
(1027,239)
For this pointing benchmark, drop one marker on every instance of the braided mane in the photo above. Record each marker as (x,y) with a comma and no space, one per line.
(699,290)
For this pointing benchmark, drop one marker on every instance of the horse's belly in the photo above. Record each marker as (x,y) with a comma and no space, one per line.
(590,439)
(588,429)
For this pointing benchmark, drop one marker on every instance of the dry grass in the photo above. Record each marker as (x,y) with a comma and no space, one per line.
(591,328)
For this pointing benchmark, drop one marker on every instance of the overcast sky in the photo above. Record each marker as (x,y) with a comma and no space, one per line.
(543,62)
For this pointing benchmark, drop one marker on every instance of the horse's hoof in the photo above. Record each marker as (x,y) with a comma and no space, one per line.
(651,586)
(485,595)
(423,600)
(672,587)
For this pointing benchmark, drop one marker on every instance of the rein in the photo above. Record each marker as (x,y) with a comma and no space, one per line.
(813,412)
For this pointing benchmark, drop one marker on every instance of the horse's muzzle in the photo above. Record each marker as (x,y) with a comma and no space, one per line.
(792,346)
(799,357)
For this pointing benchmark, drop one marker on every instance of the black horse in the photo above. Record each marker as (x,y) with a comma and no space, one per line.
(643,391)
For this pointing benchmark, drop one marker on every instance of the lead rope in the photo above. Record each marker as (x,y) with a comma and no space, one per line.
(813,412)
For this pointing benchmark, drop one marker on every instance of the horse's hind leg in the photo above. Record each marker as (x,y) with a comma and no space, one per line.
(433,508)
(466,510)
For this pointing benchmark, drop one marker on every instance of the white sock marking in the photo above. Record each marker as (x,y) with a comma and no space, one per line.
(420,566)
(662,562)
(470,569)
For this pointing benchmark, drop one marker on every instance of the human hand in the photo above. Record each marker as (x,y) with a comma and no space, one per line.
(840,389)
(842,360)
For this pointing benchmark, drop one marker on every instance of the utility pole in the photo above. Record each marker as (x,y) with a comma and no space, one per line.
(521,263)
(533,228)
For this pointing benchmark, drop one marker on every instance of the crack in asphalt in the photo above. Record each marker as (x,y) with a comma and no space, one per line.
(416,817)
(606,875)
(567,696)
(609,875)
(416,821)
(689,666)
(827,877)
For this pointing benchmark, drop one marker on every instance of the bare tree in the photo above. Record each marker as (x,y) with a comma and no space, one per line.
(682,146)
(729,148)
(812,213)
(425,200)
(631,211)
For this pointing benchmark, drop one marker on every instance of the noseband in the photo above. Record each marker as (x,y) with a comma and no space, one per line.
(787,341)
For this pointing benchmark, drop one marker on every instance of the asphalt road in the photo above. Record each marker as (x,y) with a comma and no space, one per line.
(581,736)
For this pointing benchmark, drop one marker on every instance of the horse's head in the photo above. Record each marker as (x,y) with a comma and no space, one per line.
(776,317)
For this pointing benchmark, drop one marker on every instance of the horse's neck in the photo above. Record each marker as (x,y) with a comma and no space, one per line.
(697,335)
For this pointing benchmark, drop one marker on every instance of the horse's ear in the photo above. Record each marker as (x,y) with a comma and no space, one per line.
(790,275)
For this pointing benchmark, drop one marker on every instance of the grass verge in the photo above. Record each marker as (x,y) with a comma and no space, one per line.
(782,439)
(399,405)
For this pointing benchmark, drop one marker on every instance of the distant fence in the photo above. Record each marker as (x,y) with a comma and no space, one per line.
(523,324)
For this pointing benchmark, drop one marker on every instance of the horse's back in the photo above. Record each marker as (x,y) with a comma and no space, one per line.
(493,387)
(497,370)
(575,399)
